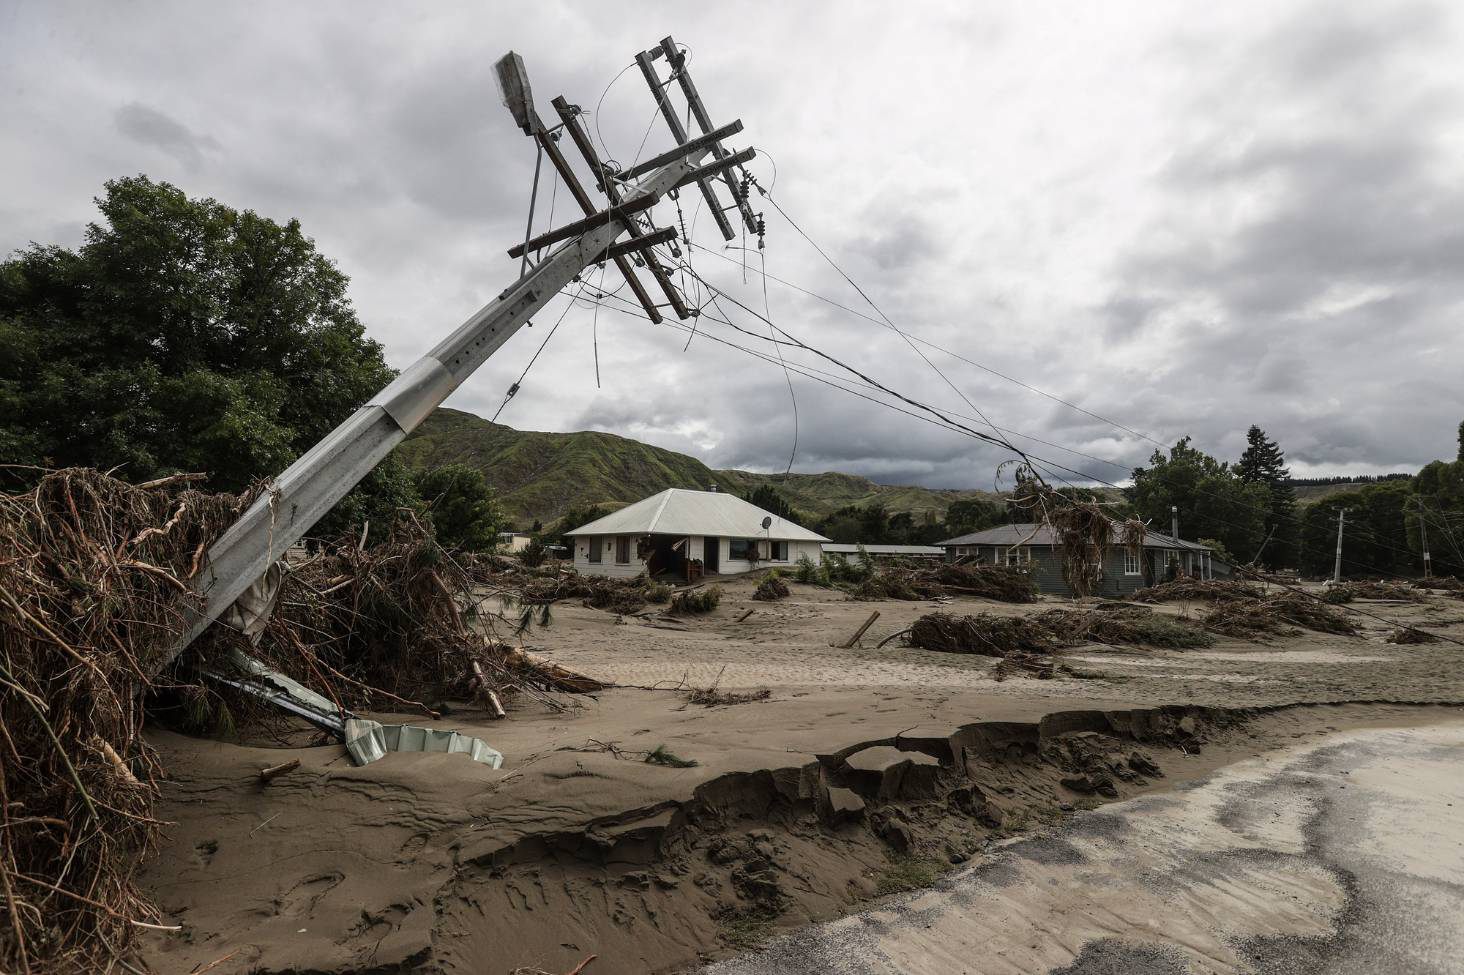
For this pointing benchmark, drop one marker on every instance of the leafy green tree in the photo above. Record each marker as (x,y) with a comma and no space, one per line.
(463,507)
(1213,502)
(969,515)
(1374,535)
(1439,504)
(768,498)
(181,335)
(576,517)
(845,525)
(1264,463)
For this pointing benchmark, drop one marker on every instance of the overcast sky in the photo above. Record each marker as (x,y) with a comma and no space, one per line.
(1187,218)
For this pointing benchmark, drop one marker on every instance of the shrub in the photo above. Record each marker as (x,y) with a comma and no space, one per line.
(534,554)
(771,588)
(694,602)
(811,572)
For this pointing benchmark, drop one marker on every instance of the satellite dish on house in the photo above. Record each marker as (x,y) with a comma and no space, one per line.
(767,521)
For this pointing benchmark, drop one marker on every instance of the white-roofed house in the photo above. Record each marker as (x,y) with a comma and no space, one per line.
(668,531)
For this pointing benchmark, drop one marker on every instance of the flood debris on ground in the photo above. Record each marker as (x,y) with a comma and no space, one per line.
(95,594)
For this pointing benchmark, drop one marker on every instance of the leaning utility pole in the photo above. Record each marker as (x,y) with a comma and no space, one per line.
(296,499)
(1337,568)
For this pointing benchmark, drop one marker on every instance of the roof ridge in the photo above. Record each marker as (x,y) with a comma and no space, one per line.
(657,516)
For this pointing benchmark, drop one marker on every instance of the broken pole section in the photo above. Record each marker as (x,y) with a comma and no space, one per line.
(848,644)
(678,131)
(268,775)
(490,698)
(621,212)
(577,190)
(677,60)
(569,115)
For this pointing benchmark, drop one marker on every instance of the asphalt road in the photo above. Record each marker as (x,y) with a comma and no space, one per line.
(1342,856)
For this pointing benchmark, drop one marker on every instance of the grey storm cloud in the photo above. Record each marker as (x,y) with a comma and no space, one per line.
(153,128)
(1243,213)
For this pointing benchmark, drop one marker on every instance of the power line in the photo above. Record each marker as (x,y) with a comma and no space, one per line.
(842,273)
(1291,518)
(954,355)
(513,389)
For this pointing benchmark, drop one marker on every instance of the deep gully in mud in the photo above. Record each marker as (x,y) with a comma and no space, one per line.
(667,886)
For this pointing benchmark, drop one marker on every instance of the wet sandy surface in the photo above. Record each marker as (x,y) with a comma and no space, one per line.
(787,644)
(1345,855)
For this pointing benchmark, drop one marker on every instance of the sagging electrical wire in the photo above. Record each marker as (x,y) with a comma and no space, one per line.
(513,389)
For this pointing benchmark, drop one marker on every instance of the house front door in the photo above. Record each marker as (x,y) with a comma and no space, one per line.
(711,554)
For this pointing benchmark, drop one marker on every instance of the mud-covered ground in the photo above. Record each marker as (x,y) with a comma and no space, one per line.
(865,772)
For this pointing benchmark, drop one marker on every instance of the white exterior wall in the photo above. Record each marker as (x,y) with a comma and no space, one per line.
(608,567)
(813,550)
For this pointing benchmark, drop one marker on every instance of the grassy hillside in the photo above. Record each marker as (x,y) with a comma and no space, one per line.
(541,475)
(1311,493)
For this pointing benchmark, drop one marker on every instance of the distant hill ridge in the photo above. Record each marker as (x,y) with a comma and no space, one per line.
(542,475)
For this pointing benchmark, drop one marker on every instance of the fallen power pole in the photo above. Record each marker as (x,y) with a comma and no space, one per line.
(301,494)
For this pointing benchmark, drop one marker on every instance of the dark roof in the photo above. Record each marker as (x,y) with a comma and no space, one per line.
(842,548)
(1034,534)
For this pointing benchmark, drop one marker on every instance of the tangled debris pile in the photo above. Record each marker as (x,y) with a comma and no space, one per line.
(1008,584)
(1132,625)
(91,575)
(1025,639)
(94,593)
(1346,592)
(1411,635)
(388,622)
(1017,641)
(1254,618)
(544,586)
(1188,588)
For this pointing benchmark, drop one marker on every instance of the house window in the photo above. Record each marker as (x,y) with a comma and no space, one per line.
(740,548)
(1016,555)
(780,552)
(622,550)
(1131,563)
(595,542)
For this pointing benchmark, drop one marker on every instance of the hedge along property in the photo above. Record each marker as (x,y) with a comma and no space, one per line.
(1032,547)
(690,533)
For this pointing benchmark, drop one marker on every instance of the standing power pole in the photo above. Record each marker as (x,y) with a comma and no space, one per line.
(301,494)
(1337,568)
(1423,534)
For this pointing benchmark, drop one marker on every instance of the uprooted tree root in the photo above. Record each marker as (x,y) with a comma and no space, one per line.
(95,581)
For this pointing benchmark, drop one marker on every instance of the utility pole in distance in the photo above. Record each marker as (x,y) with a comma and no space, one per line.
(1423,533)
(1337,568)
(300,495)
